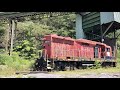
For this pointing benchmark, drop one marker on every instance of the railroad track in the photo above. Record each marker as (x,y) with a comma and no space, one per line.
(30,72)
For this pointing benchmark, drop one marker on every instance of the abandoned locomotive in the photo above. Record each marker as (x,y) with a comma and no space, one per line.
(60,53)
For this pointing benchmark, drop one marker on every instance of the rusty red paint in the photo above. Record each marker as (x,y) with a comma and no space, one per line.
(58,47)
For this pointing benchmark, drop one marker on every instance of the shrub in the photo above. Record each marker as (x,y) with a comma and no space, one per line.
(26,49)
(5,59)
(97,64)
(16,62)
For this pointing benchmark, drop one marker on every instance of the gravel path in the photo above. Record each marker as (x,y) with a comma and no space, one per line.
(46,75)
(102,75)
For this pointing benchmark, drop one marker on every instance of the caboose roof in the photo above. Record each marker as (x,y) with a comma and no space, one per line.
(61,37)
(86,41)
(68,38)
(91,42)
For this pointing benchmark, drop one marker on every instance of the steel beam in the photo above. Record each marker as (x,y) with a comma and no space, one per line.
(108,28)
(4,15)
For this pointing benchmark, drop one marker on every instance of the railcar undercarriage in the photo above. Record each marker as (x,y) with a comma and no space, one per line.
(60,65)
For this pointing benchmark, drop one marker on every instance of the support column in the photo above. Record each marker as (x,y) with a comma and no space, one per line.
(79,29)
(10,35)
(115,47)
(101,29)
(7,39)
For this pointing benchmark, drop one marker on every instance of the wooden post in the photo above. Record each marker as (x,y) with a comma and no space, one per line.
(12,36)
(7,39)
(9,35)
(15,29)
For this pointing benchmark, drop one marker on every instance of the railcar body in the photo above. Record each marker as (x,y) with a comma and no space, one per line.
(61,52)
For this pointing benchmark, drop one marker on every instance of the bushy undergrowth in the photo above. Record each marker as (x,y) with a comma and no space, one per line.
(118,56)
(96,65)
(15,62)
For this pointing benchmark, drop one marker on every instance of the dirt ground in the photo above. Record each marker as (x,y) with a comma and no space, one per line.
(47,75)
(102,75)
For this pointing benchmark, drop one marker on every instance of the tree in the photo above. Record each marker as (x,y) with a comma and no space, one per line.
(31,29)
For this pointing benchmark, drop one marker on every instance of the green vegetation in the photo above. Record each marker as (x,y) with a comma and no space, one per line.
(90,71)
(10,64)
(27,40)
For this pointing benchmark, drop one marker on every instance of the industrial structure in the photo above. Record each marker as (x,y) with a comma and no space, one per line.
(97,25)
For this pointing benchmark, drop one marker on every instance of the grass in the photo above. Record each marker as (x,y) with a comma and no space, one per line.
(89,71)
(10,64)
(8,71)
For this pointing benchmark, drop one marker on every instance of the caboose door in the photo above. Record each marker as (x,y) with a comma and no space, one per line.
(96,52)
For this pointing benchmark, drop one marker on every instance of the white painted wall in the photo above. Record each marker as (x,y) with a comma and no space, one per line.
(79,30)
(117,16)
(106,17)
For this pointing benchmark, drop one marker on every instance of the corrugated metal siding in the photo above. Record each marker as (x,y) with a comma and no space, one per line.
(117,16)
(90,20)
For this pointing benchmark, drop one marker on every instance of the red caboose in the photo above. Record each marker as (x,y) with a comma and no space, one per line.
(65,51)
(58,47)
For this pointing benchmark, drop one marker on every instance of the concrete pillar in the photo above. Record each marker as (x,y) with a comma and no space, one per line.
(79,30)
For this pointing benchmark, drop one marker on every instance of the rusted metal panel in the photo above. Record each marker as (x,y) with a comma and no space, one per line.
(60,47)
(65,48)
(86,48)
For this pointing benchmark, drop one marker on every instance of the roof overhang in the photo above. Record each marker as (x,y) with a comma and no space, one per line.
(4,15)
(115,26)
